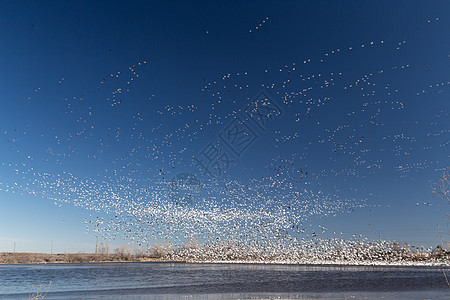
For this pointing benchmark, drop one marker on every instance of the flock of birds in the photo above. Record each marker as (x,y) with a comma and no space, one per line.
(260,24)
(145,202)
(355,251)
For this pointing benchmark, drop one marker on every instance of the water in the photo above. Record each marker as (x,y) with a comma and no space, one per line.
(221,281)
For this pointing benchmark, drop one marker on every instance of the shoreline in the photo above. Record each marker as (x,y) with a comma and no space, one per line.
(25,258)
(31,258)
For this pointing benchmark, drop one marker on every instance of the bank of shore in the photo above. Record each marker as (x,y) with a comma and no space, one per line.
(45,258)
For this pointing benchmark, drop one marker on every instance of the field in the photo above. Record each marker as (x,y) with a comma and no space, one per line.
(42,258)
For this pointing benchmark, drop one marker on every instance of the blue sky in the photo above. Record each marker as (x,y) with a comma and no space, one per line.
(102,105)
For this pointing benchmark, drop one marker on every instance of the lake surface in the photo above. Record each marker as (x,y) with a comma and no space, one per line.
(221,281)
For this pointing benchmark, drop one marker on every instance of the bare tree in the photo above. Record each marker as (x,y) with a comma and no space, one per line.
(103,249)
(139,252)
(158,250)
(442,192)
(123,250)
(441,189)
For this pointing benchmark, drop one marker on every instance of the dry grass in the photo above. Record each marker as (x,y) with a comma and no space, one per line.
(43,258)
(38,294)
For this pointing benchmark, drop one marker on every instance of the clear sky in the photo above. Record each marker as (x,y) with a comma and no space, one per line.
(106,106)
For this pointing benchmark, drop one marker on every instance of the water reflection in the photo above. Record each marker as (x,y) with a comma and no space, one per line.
(218,281)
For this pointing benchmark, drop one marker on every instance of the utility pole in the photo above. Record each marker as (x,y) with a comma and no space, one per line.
(379,235)
(96,245)
(51,249)
(14,247)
